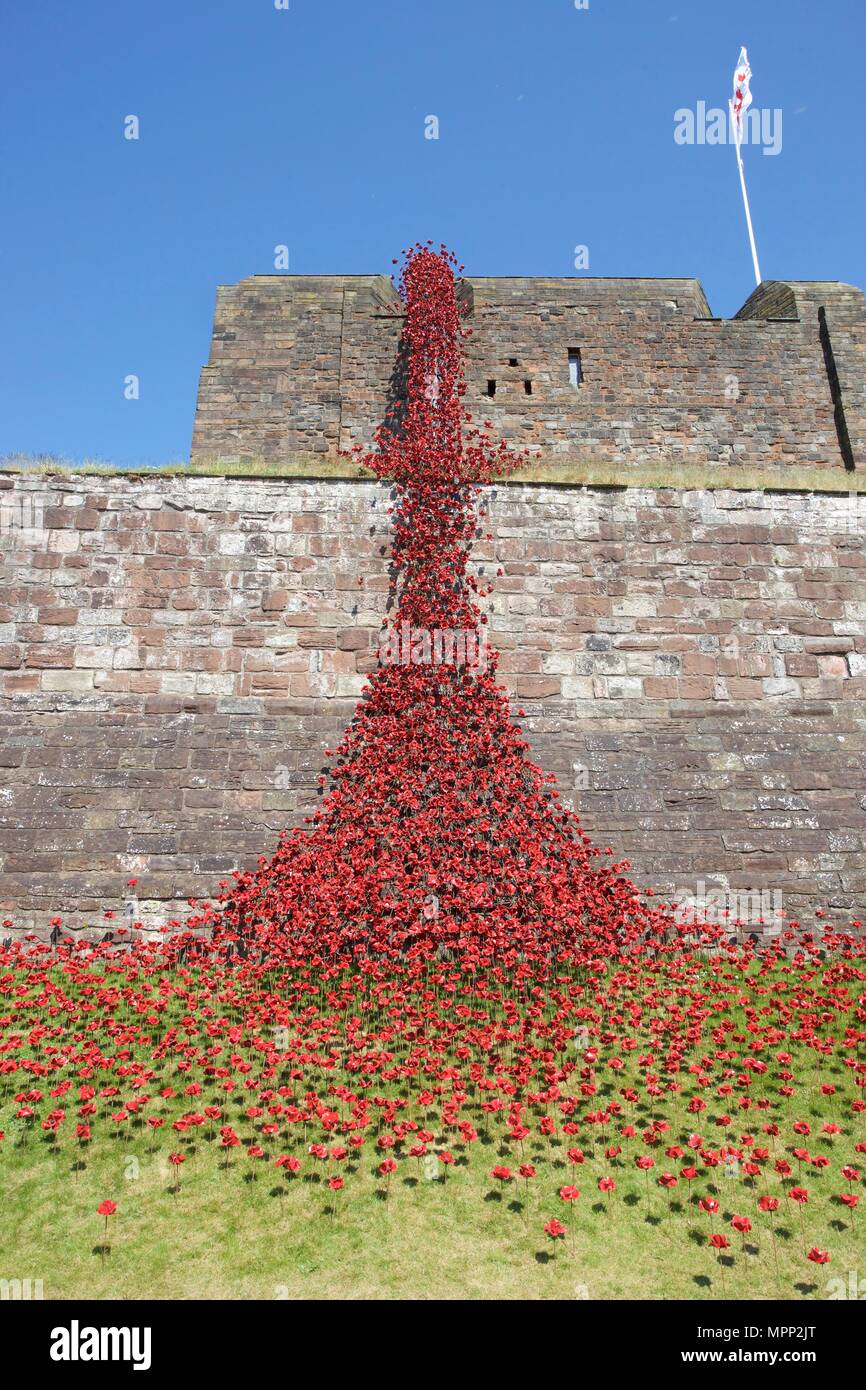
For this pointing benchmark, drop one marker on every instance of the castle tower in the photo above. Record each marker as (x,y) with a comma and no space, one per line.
(584,370)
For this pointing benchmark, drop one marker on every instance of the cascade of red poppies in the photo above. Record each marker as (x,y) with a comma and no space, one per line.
(437,830)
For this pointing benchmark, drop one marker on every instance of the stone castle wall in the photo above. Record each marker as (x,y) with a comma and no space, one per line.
(175,654)
(308,365)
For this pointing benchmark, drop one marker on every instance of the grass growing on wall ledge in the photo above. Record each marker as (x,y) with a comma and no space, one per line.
(563,472)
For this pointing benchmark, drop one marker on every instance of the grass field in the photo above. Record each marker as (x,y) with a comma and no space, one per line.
(229,1223)
(238,1228)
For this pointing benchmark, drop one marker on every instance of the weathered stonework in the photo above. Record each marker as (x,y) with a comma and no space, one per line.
(175,654)
(308,365)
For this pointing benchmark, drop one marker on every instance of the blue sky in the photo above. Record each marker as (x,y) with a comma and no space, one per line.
(305,127)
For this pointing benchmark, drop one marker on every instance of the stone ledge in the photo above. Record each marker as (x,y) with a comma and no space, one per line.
(545,470)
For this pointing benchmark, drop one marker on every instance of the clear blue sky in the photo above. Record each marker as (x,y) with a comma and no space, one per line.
(306,127)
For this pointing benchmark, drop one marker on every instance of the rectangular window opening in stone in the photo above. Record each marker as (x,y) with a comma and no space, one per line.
(527,386)
(575,368)
(512,361)
(491,387)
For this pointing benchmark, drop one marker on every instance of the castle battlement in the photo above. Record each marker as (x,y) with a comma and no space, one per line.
(630,371)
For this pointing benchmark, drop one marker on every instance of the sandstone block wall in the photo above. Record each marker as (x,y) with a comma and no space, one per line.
(308,364)
(175,654)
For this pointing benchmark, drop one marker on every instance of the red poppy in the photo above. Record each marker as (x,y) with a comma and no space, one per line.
(554,1229)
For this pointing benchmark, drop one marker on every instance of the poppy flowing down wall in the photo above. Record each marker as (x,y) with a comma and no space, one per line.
(437,830)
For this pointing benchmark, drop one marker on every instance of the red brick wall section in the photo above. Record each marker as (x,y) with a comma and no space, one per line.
(306,365)
(175,654)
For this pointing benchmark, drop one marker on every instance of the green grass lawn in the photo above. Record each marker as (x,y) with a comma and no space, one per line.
(475,1069)
(240,1228)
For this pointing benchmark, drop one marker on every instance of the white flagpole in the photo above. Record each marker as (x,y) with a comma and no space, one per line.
(735,129)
